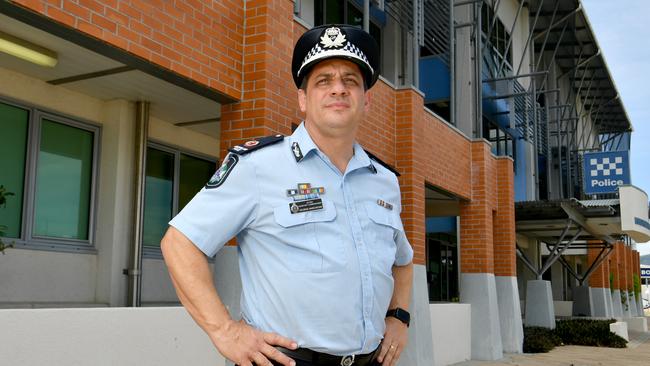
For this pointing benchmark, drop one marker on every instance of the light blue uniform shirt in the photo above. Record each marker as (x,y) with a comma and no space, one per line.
(324,277)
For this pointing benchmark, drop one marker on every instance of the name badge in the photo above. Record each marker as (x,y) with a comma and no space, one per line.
(305,198)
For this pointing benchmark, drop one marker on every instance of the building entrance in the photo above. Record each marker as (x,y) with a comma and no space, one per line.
(442,267)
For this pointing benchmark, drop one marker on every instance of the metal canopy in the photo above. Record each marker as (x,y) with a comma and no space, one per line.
(546,220)
(579,57)
(569,224)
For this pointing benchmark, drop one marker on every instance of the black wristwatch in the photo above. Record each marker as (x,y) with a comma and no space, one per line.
(400,314)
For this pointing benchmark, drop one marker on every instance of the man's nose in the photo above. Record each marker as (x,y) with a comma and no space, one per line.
(338,86)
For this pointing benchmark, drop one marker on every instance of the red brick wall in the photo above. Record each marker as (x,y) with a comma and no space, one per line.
(477,216)
(246,54)
(201,40)
(505,256)
(617,264)
(600,276)
(629,273)
(637,264)
(268,103)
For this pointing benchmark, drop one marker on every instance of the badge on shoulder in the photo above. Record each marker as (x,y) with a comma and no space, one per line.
(220,176)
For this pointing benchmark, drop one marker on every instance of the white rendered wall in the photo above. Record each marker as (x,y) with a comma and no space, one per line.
(104,336)
(451,329)
(48,278)
(31,276)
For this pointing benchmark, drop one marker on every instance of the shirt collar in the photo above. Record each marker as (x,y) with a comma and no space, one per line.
(306,145)
(304,141)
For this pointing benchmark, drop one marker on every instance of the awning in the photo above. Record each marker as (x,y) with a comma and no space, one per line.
(95,68)
(563,27)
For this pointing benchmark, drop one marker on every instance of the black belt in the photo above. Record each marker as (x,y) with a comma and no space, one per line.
(325,359)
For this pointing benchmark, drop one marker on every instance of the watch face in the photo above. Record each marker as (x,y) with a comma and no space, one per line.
(400,314)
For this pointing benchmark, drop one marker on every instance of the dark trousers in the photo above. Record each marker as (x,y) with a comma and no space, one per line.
(307,363)
(326,360)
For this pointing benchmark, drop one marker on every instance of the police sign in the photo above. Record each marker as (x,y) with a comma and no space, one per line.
(605,171)
(645,272)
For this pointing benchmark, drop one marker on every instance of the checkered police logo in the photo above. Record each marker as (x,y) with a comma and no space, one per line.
(605,167)
(604,172)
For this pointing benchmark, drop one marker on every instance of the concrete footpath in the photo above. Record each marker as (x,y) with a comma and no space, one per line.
(637,353)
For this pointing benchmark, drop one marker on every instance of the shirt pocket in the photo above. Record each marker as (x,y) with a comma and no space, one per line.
(311,240)
(384,226)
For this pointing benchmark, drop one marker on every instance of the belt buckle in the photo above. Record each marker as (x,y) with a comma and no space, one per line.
(347,360)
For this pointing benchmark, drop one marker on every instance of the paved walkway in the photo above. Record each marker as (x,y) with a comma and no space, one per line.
(637,353)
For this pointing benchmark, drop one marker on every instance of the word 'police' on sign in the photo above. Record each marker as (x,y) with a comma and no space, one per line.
(604,172)
(645,272)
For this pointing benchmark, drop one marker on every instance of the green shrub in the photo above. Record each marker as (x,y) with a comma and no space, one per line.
(637,284)
(539,340)
(587,332)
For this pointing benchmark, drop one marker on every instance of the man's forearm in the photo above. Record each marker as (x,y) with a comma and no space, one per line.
(192,278)
(403,281)
(237,341)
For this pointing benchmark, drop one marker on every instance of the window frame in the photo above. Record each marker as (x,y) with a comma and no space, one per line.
(27,240)
(149,252)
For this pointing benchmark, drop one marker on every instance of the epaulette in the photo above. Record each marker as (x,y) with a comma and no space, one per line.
(386,165)
(256,144)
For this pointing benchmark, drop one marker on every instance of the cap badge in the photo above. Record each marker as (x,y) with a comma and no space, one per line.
(333,38)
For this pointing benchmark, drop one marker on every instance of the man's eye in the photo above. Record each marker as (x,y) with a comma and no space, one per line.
(351,81)
(321,82)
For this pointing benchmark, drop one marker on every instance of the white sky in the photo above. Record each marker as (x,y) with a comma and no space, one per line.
(622,30)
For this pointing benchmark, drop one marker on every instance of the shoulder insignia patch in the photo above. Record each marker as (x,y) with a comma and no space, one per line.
(386,165)
(226,167)
(253,145)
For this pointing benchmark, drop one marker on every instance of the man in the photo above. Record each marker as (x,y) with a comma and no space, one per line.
(325,265)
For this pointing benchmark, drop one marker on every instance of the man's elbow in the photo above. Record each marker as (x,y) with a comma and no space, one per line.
(166,243)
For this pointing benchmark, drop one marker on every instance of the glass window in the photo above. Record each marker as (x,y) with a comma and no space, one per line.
(14,124)
(498,42)
(172,179)
(194,173)
(54,157)
(63,182)
(158,197)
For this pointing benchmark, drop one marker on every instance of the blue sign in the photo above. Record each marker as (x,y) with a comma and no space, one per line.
(645,272)
(605,171)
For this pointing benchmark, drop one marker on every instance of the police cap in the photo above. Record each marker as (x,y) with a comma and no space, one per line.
(336,41)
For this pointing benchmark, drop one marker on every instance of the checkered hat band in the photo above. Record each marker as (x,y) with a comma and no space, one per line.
(349,51)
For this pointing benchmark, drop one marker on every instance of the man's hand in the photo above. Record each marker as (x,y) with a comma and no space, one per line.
(247,346)
(394,342)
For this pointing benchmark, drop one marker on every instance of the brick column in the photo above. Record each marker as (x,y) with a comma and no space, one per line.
(617,265)
(505,257)
(629,270)
(599,277)
(477,280)
(268,101)
(600,295)
(477,249)
(408,122)
(619,283)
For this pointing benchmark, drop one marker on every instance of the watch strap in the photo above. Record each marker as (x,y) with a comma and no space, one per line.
(400,314)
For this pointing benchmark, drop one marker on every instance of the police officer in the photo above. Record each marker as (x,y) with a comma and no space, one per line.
(325,265)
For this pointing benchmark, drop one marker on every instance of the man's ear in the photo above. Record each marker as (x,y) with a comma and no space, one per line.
(302,100)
